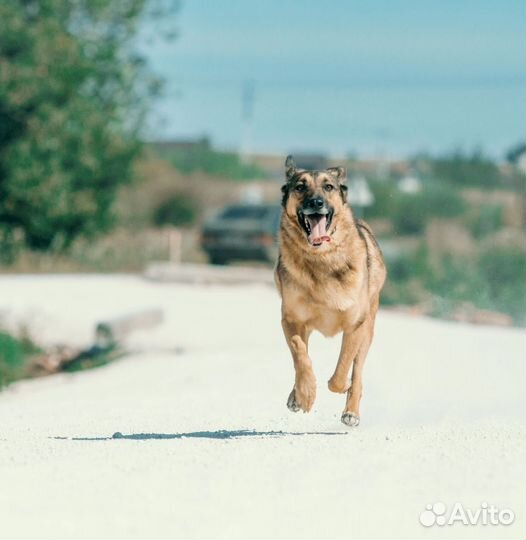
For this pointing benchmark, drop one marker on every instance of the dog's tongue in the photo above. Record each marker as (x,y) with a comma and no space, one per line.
(318,229)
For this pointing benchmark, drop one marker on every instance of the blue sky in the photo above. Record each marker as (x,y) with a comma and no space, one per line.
(364,76)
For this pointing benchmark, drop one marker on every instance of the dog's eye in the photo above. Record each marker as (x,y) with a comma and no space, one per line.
(328,187)
(300,188)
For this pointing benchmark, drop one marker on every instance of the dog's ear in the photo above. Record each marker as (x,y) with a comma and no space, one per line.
(337,172)
(343,192)
(290,171)
(285,193)
(290,167)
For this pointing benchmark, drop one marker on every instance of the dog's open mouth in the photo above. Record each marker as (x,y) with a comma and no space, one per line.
(316,226)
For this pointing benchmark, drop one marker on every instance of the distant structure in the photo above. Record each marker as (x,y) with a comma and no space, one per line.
(382,157)
(247,117)
(360,195)
(410,184)
(251,194)
(517,157)
(311,162)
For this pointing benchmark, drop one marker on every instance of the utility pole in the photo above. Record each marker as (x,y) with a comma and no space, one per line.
(382,158)
(247,114)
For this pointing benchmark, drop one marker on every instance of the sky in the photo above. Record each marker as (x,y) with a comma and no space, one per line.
(367,77)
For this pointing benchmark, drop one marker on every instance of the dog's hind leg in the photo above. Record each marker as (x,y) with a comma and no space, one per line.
(304,392)
(351,343)
(353,352)
(351,413)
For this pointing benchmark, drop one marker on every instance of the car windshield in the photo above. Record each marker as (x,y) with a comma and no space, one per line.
(246,212)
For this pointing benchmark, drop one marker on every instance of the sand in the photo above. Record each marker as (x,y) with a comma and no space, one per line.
(443,420)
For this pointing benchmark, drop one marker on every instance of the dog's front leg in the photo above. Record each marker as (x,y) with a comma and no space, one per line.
(304,392)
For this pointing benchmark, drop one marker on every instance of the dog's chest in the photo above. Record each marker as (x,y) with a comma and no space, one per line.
(329,312)
(328,322)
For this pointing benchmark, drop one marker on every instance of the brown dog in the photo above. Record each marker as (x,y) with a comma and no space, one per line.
(330,272)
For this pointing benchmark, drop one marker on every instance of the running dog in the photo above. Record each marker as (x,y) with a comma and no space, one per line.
(329,273)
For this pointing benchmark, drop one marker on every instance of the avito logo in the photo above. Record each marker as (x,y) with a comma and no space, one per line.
(438,514)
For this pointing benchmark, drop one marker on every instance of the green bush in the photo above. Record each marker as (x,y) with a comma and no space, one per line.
(484,220)
(400,269)
(13,357)
(405,278)
(386,194)
(405,293)
(409,213)
(179,210)
(465,170)
(504,271)
(457,279)
(494,280)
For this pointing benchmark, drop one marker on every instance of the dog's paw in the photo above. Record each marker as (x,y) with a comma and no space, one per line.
(337,386)
(305,391)
(292,403)
(303,394)
(350,419)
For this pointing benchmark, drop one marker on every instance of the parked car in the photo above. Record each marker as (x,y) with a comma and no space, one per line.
(242,232)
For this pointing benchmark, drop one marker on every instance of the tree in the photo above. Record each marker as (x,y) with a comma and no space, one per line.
(513,155)
(73,95)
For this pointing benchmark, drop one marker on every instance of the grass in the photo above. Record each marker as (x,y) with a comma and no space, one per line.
(123,250)
(493,280)
(17,359)
(15,355)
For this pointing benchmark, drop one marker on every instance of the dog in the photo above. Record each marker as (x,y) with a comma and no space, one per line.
(329,273)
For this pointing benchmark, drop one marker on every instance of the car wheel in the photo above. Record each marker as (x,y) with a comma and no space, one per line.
(215,259)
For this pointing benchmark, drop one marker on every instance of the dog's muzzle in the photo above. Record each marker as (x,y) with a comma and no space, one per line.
(315,217)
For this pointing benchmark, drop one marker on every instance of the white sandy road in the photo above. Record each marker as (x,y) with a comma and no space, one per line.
(443,420)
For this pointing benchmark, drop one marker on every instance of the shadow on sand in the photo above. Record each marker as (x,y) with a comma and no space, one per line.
(220,434)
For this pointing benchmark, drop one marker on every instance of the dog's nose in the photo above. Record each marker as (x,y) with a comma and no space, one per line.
(316,203)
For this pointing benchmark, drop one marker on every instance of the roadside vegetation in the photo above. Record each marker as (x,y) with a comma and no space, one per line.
(15,354)
(201,157)
(22,358)
(73,97)
(458,241)
(454,248)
